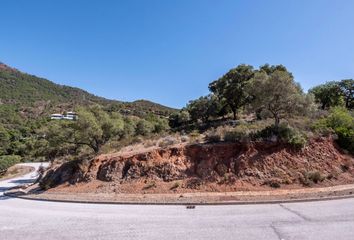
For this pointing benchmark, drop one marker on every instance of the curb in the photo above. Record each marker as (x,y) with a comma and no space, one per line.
(23,197)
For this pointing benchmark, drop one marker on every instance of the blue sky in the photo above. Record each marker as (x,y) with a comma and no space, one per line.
(168,51)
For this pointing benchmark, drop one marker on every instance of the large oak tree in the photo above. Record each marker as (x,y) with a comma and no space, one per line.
(278,94)
(232,87)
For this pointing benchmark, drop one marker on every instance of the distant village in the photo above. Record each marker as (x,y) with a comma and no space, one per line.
(65,116)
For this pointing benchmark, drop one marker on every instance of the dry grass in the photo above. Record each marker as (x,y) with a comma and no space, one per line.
(15,171)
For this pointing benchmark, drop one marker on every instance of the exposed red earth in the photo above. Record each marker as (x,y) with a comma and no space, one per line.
(221,167)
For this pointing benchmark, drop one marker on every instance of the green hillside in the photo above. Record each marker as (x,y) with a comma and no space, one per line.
(25,90)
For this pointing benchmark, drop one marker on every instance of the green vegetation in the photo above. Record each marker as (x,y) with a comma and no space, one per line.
(341,121)
(27,101)
(255,95)
(232,88)
(245,104)
(277,95)
(24,90)
(332,94)
(8,161)
(309,178)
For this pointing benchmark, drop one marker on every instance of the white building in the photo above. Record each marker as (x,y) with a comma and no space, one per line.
(71,116)
(56,116)
(68,116)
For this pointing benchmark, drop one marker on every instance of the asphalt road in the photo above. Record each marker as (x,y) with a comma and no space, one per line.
(25,219)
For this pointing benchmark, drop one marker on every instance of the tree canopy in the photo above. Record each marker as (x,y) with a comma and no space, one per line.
(277,93)
(232,87)
(328,95)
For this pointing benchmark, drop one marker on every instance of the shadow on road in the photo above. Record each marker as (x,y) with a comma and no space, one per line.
(3,197)
(23,181)
(3,189)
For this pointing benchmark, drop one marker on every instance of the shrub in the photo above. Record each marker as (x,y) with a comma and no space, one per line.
(345,138)
(315,176)
(167,141)
(240,133)
(149,143)
(298,141)
(8,161)
(341,121)
(283,133)
(232,136)
(175,186)
(194,137)
(144,127)
(212,137)
(311,177)
(274,184)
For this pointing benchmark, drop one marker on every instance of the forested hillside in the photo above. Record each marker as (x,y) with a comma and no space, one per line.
(25,90)
(26,102)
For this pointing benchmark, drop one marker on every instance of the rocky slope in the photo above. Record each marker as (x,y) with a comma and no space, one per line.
(207,167)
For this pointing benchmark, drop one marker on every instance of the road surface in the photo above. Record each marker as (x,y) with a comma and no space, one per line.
(25,219)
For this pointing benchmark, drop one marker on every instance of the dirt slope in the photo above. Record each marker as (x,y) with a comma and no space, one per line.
(208,167)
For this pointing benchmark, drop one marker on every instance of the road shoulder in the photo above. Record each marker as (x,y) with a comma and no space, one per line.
(240,197)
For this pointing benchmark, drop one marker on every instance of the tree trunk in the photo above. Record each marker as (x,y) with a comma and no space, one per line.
(95,147)
(234,112)
(277,121)
(347,102)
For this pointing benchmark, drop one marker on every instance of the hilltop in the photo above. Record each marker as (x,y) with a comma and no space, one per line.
(25,91)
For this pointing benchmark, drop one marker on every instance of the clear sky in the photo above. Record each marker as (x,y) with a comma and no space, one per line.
(168,51)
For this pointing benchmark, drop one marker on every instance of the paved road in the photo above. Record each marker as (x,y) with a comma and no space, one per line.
(24,219)
(28,178)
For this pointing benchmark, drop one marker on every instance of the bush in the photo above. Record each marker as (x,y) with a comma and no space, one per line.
(341,122)
(240,133)
(315,176)
(8,161)
(167,141)
(298,141)
(212,137)
(194,137)
(144,127)
(345,138)
(283,133)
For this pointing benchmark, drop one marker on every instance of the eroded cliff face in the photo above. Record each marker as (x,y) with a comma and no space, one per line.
(231,164)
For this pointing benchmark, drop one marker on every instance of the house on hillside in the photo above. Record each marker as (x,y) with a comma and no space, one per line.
(66,116)
(70,116)
(56,116)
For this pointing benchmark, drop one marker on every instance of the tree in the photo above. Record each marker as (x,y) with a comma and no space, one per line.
(144,127)
(232,87)
(341,121)
(179,119)
(328,95)
(4,140)
(93,129)
(159,124)
(347,88)
(269,69)
(277,94)
(203,108)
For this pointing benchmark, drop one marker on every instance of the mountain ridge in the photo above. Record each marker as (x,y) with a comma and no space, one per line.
(27,90)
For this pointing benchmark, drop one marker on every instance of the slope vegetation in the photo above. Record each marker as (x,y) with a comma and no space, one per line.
(24,90)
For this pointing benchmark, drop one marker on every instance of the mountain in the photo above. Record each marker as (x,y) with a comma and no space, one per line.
(31,92)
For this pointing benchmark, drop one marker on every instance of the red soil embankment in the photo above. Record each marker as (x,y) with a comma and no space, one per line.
(208,167)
